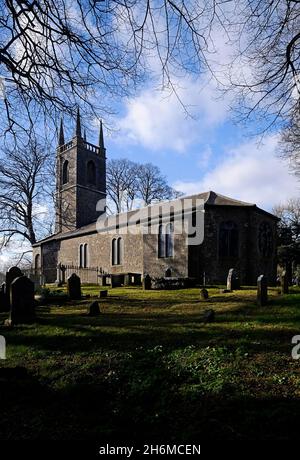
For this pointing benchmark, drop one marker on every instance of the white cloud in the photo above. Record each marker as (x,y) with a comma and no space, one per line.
(157,120)
(249,172)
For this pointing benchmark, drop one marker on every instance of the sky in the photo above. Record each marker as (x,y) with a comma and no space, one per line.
(203,149)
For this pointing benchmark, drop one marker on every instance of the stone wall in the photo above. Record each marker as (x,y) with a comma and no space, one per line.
(156,267)
(249,263)
(100,252)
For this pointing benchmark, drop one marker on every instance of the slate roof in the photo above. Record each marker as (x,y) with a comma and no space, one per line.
(210,198)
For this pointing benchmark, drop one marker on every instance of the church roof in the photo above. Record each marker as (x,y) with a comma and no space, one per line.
(210,199)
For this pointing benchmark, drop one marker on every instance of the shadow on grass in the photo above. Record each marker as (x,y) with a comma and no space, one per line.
(123,411)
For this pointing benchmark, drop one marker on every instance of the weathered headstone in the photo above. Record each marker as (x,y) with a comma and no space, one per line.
(11,274)
(127,279)
(147,282)
(233,281)
(22,300)
(209,316)
(284,283)
(262,291)
(103,294)
(94,309)
(203,294)
(74,287)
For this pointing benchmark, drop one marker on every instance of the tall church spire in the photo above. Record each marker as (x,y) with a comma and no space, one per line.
(78,124)
(61,136)
(101,138)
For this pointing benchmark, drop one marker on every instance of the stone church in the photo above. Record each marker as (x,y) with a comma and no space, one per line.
(120,249)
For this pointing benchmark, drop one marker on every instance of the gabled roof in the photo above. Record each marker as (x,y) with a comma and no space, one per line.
(210,198)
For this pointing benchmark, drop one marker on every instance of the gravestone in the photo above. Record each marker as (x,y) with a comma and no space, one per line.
(74,287)
(284,282)
(127,279)
(147,282)
(103,294)
(203,294)
(233,281)
(117,280)
(208,316)
(22,301)
(13,273)
(94,309)
(3,298)
(262,291)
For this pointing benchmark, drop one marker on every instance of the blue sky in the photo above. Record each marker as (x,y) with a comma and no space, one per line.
(204,150)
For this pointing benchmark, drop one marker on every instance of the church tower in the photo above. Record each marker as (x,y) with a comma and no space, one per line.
(80,179)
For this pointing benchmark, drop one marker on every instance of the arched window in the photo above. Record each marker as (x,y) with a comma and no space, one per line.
(65,172)
(228,239)
(117,251)
(114,252)
(120,251)
(91,173)
(265,239)
(81,257)
(37,263)
(161,242)
(85,256)
(166,240)
(169,240)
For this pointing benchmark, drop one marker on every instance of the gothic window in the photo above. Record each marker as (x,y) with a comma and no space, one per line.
(91,173)
(120,250)
(37,263)
(265,239)
(83,256)
(166,240)
(117,251)
(65,172)
(228,239)
(169,240)
(161,242)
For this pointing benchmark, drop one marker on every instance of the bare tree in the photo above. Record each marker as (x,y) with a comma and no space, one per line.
(288,251)
(55,53)
(130,184)
(264,69)
(289,146)
(289,214)
(24,194)
(121,183)
(152,185)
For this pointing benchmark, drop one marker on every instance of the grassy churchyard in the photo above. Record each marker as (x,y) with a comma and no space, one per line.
(149,367)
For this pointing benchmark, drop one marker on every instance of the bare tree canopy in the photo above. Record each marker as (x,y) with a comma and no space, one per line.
(130,184)
(289,147)
(24,194)
(55,53)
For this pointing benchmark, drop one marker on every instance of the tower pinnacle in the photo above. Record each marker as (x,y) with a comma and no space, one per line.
(101,138)
(78,124)
(61,136)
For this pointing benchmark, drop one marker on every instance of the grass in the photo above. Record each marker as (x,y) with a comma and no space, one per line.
(149,367)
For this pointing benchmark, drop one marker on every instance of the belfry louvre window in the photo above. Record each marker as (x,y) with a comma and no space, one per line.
(228,239)
(166,240)
(117,251)
(65,172)
(83,256)
(91,173)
